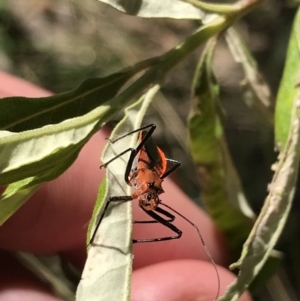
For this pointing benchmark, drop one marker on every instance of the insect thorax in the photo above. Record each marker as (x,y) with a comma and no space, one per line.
(146,191)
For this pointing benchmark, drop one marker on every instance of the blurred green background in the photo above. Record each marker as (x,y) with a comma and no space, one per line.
(59,44)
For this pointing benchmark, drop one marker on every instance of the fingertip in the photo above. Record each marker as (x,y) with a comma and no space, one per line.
(179,280)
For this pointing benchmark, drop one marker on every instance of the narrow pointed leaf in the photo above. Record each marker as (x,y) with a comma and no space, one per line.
(288,90)
(274,213)
(19,114)
(257,94)
(34,152)
(221,188)
(107,272)
(277,205)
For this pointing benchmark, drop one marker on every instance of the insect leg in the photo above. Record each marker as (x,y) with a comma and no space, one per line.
(175,163)
(117,156)
(152,127)
(123,199)
(170,216)
(164,222)
(134,151)
(129,164)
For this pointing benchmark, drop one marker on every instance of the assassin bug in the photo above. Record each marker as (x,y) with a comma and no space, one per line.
(146,169)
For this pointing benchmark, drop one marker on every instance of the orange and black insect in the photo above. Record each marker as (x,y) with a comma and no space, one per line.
(146,169)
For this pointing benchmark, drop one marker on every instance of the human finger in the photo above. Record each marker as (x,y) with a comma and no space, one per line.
(179,280)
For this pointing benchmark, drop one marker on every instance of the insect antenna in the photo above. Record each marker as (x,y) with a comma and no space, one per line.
(203,243)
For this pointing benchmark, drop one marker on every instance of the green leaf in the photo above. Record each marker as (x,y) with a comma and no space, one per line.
(55,128)
(19,114)
(257,94)
(288,90)
(98,209)
(175,9)
(274,213)
(34,152)
(107,272)
(221,189)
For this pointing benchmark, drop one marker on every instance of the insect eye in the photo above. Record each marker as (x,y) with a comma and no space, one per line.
(149,197)
(151,185)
